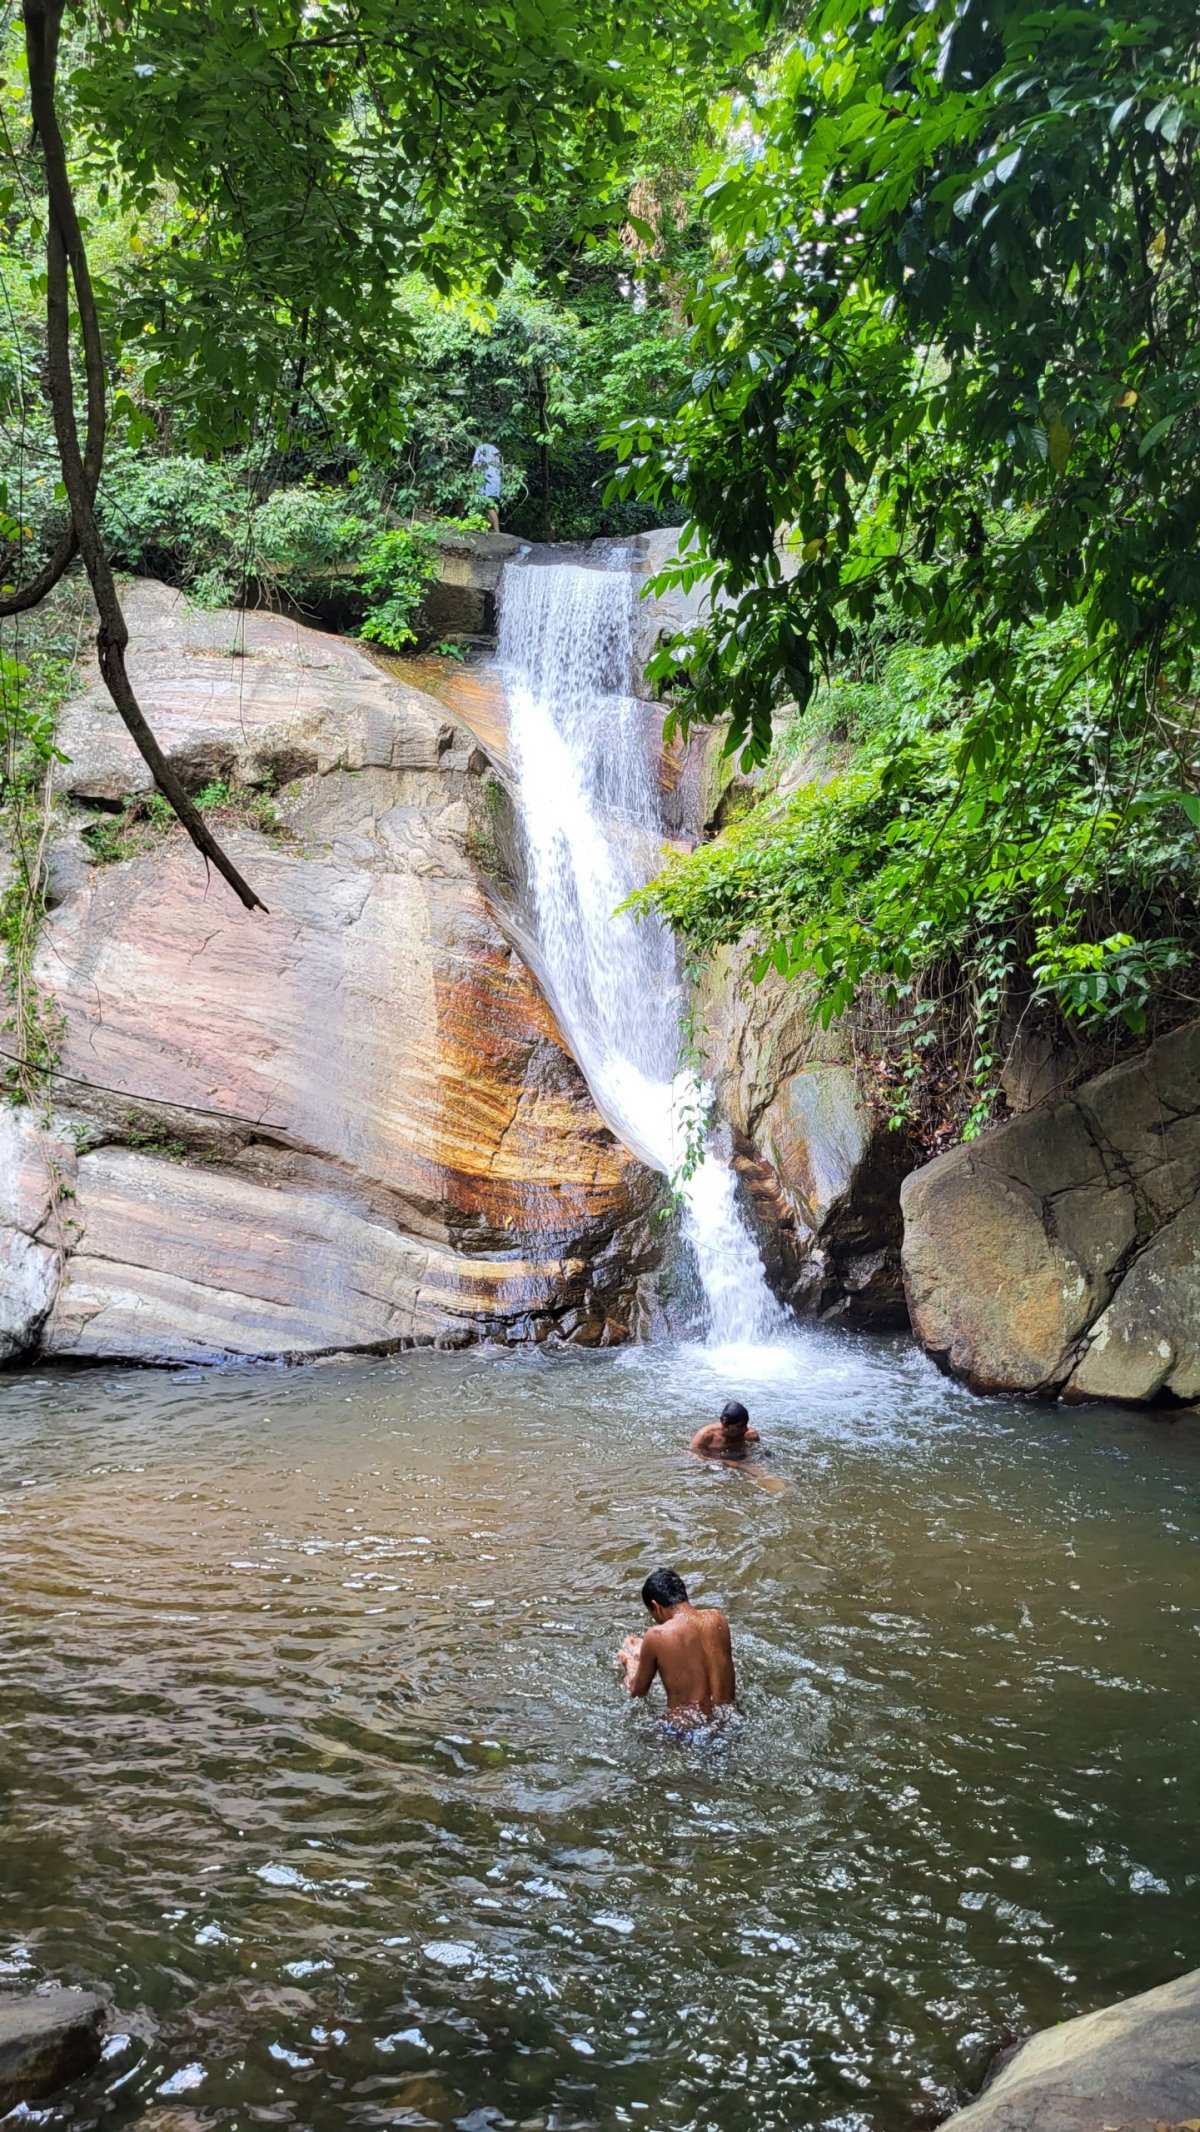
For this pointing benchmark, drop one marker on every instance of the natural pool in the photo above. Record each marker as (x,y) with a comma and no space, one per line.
(312,1748)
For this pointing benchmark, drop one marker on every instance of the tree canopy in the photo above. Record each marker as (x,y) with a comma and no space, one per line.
(277,172)
(946,393)
(315,155)
(952,347)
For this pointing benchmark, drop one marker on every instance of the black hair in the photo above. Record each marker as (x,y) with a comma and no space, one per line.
(664,1587)
(734,1415)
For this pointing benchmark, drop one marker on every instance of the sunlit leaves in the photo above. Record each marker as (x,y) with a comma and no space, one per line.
(1063,867)
(948,373)
(956,324)
(316,155)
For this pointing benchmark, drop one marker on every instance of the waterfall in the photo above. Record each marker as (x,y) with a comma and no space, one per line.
(583,751)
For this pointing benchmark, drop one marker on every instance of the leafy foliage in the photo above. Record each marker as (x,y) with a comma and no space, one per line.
(316,157)
(953,352)
(397,566)
(946,388)
(927,897)
(37,657)
(145,817)
(541,372)
(198,524)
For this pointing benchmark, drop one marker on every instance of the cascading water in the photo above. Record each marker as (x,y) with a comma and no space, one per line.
(589,806)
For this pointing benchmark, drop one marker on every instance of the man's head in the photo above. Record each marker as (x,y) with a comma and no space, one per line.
(734,1419)
(664,1589)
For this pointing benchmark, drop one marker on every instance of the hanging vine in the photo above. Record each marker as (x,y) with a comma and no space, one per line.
(34,679)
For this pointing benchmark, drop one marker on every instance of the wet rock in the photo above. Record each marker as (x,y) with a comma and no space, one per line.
(840,1172)
(36,1171)
(46,2039)
(463,600)
(1061,1254)
(821,1171)
(1134,2067)
(660,615)
(351,1122)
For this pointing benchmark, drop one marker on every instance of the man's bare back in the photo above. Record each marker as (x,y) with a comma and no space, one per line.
(688,1649)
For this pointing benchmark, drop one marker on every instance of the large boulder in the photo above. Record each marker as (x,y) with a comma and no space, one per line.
(348,1123)
(46,2039)
(254,697)
(1061,1254)
(1134,2067)
(821,1169)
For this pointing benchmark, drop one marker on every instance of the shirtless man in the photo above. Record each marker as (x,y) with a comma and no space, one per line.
(728,1437)
(688,1648)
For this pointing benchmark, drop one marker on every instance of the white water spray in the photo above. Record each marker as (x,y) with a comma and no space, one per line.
(583,750)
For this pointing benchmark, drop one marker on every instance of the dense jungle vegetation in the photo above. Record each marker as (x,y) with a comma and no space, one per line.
(897,309)
(941,454)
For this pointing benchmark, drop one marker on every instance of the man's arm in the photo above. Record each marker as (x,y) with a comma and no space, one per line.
(640,1664)
(753,1437)
(702,1441)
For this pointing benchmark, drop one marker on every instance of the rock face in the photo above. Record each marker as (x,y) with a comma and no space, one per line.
(253,696)
(351,1123)
(30,1250)
(462,602)
(46,2039)
(1129,2068)
(821,1171)
(1061,1254)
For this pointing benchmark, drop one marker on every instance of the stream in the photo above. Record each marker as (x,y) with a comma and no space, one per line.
(313,1752)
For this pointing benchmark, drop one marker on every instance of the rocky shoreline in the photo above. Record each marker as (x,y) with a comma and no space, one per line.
(1133,2066)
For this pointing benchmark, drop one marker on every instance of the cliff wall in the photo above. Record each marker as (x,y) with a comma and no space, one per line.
(351,1123)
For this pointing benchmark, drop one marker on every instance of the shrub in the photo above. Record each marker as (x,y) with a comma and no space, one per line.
(396,569)
(198,525)
(184,520)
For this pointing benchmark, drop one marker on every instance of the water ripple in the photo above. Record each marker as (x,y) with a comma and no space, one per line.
(312,1747)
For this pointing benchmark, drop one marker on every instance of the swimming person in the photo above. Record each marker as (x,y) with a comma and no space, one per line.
(688,1649)
(488,465)
(728,1437)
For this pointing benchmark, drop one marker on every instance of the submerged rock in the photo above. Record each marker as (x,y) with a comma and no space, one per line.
(1134,2067)
(1060,1255)
(350,1123)
(46,2039)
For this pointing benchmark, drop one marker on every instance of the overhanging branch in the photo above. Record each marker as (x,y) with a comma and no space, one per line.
(66,262)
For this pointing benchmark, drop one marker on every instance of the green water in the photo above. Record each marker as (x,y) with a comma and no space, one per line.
(312,1751)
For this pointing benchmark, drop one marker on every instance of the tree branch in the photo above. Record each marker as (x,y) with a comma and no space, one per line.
(64,246)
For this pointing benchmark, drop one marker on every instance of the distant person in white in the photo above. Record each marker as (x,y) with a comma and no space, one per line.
(487,464)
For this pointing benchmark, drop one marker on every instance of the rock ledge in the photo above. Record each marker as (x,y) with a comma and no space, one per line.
(46,2039)
(1134,2067)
